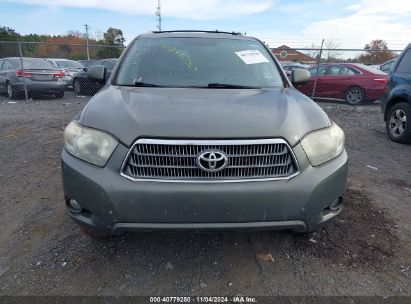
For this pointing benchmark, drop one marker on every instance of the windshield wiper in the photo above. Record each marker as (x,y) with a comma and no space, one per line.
(145,84)
(229,86)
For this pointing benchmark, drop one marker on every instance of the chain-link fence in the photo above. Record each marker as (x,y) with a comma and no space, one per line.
(351,76)
(48,70)
(37,69)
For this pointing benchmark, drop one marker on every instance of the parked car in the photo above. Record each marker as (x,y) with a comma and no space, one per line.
(86,63)
(288,68)
(201,130)
(386,66)
(355,83)
(84,85)
(396,101)
(39,76)
(70,68)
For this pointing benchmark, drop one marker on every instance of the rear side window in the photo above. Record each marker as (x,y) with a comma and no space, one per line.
(405,64)
(322,71)
(334,70)
(6,65)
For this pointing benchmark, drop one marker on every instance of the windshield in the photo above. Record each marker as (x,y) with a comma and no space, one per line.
(69,64)
(199,62)
(86,63)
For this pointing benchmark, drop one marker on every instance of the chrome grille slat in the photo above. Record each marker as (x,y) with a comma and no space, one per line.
(175,160)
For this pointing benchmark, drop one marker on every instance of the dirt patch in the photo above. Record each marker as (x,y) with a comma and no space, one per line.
(362,235)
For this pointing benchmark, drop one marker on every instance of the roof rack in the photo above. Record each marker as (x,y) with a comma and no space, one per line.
(198,31)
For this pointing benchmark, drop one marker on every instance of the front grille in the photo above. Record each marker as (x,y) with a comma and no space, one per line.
(178,160)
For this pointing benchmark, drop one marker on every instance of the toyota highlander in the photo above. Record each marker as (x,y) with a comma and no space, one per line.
(201,131)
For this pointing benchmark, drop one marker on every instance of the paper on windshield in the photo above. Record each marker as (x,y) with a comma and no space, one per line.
(251,56)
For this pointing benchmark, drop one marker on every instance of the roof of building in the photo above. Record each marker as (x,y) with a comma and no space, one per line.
(285,53)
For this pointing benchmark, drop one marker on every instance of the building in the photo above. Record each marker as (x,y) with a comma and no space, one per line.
(285,53)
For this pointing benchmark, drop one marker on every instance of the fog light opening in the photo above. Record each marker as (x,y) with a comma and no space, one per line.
(74,206)
(337,204)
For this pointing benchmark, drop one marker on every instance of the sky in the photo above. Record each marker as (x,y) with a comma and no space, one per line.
(298,23)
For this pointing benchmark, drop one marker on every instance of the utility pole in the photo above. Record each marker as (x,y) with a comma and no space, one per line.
(158,14)
(318,68)
(87,28)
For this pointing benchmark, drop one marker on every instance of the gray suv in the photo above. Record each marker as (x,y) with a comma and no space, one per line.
(201,131)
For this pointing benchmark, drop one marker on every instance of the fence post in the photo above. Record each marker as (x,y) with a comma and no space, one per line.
(318,68)
(23,71)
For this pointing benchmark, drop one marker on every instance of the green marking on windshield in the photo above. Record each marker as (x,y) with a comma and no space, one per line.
(186,59)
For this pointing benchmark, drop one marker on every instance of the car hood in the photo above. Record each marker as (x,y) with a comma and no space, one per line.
(129,113)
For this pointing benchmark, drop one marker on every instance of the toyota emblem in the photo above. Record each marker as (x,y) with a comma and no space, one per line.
(212,160)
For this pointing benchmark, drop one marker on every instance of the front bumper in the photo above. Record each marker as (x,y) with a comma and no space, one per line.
(114,204)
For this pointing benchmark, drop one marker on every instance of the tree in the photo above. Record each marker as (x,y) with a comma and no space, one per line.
(114,36)
(114,40)
(313,52)
(8,49)
(8,34)
(377,52)
(331,53)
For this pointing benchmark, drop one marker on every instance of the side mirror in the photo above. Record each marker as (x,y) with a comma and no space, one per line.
(97,73)
(300,77)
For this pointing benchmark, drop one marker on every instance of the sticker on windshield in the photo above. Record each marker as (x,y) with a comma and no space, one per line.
(251,56)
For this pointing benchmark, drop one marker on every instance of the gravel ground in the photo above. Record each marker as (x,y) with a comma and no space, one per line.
(366,251)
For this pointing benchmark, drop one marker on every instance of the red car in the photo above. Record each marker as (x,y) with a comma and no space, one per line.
(355,83)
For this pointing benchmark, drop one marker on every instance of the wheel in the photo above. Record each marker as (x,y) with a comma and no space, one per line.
(77,87)
(398,123)
(93,233)
(355,96)
(59,94)
(11,93)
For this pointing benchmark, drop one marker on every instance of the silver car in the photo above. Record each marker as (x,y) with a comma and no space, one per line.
(37,75)
(70,68)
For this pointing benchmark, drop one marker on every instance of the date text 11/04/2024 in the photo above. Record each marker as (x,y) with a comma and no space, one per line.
(204,299)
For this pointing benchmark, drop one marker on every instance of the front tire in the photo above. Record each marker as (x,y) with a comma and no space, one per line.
(355,96)
(398,123)
(77,87)
(60,94)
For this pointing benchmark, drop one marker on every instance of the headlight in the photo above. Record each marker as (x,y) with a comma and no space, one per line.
(323,145)
(90,145)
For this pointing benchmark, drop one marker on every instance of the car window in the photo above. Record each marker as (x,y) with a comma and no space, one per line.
(35,63)
(197,61)
(351,71)
(346,70)
(334,70)
(322,70)
(6,65)
(387,66)
(69,64)
(109,64)
(405,64)
(99,62)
